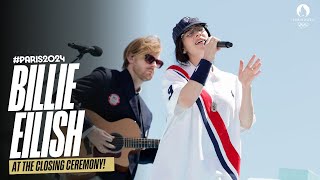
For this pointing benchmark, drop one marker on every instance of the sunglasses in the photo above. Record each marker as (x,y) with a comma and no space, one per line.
(150,59)
(192,30)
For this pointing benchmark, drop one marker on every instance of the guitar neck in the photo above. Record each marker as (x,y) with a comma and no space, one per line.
(141,143)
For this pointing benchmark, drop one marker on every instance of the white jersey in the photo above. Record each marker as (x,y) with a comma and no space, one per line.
(203,141)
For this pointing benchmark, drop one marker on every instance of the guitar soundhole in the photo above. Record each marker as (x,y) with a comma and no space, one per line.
(117,142)
(116,152)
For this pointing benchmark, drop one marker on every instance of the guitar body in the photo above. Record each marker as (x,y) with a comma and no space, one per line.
(126,128)
(127,140)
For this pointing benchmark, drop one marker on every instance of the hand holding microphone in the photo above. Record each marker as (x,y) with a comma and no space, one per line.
(211,48)
(213,45)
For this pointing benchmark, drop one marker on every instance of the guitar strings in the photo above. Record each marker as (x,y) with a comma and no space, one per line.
(136,142)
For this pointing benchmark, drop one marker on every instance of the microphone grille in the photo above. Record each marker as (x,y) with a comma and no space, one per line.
(97,51)
(229,44)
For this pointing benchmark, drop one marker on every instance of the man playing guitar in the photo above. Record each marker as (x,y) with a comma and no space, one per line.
(112,95)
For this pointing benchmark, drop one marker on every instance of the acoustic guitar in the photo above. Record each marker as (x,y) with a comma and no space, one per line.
(127,140)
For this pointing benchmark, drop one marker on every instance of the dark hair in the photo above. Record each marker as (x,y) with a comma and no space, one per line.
(181,57)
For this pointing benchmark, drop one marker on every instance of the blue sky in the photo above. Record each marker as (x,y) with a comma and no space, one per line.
(286,94)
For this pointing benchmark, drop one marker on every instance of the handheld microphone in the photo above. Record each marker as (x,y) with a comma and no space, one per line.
(93,50)
(224,44)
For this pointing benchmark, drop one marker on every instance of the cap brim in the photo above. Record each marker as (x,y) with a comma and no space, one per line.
(187,27)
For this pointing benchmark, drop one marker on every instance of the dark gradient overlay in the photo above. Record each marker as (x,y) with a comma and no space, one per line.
(37,27)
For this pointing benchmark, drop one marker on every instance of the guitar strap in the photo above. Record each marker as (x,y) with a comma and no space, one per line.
(141,117)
